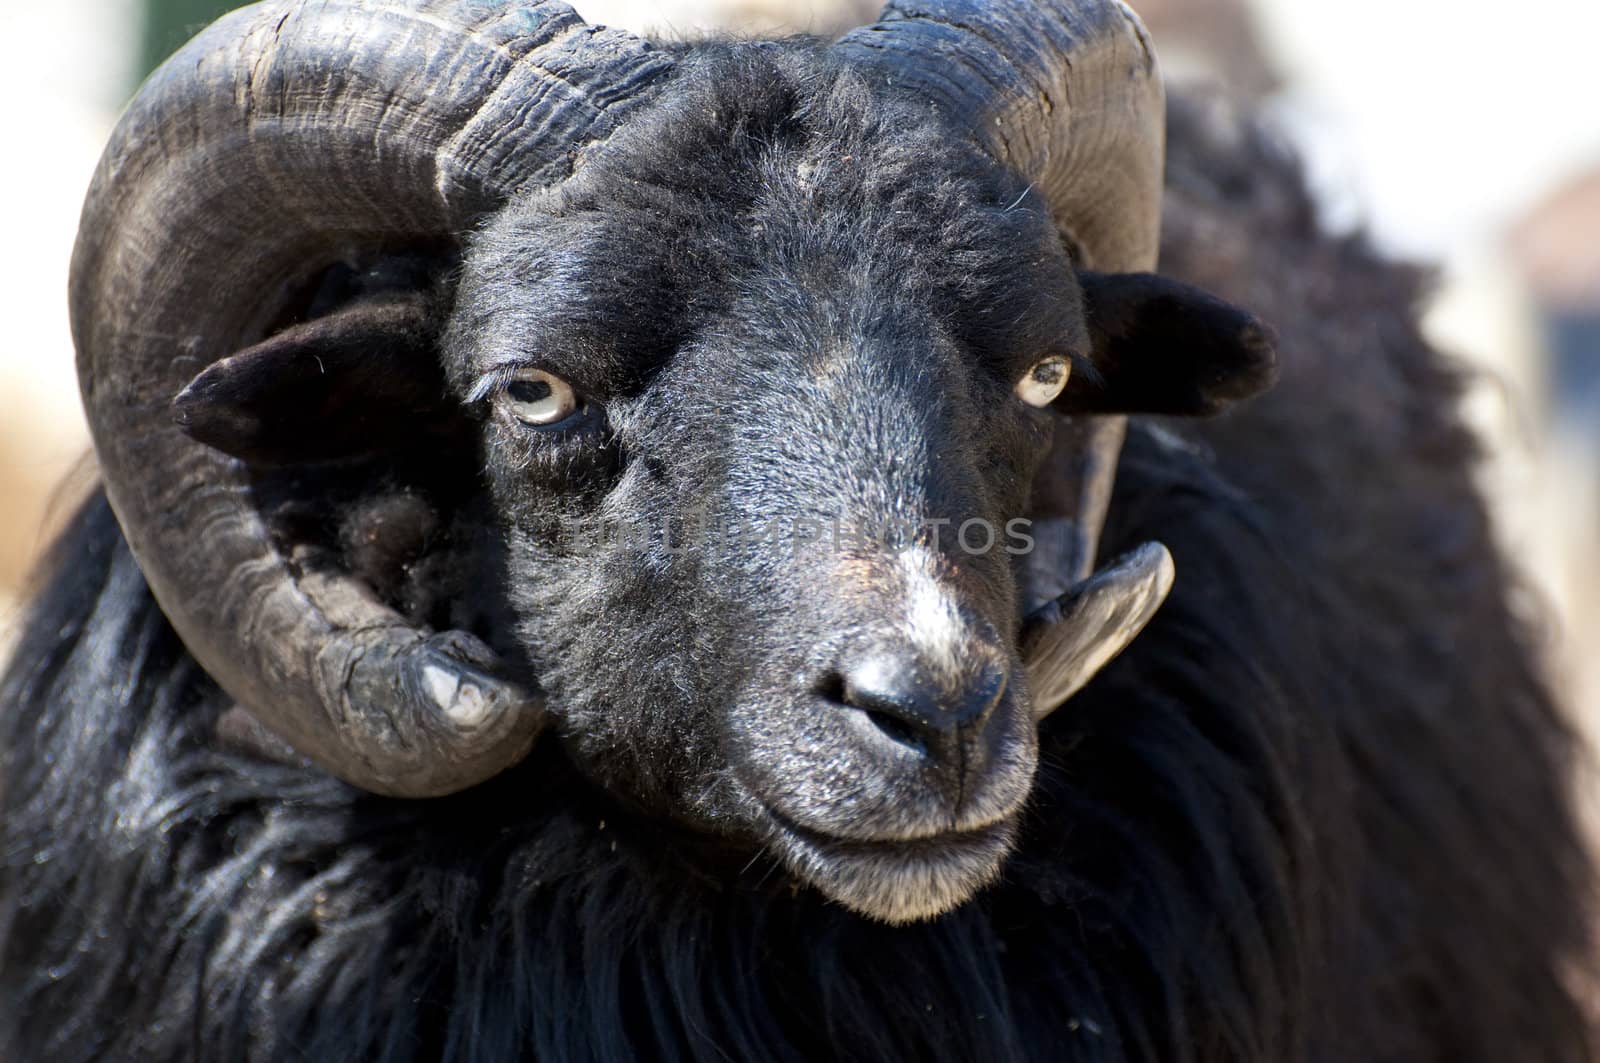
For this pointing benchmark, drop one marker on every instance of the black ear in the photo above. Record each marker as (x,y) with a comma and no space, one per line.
(1162,347)
(362,380)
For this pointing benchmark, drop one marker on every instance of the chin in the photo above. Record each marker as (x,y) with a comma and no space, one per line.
(897,882)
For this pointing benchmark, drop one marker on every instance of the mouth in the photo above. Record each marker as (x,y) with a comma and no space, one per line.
(903,833)
(895,880)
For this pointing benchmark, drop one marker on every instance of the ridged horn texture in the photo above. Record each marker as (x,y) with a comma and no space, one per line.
(1068,94)
(267,148)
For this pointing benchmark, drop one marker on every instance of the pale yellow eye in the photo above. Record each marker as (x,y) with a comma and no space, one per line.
(535,397)
(1044,382)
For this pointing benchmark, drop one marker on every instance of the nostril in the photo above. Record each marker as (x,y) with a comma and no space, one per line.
(896,696)
(897,730)
(832,687)
(887,705)
(980,699)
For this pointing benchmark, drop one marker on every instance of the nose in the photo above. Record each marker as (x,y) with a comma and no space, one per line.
(931,709)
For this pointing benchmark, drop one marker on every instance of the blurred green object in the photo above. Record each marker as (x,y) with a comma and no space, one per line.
(169,23)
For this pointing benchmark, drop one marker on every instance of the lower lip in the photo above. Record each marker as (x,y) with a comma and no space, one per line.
(932,845)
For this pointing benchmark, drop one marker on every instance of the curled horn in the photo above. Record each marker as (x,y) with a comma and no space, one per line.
(269,147)
(1067,93)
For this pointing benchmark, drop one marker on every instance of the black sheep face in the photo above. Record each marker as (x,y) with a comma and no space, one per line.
(793,322)
(758,395)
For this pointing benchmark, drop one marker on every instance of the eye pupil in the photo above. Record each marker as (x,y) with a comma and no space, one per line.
(538,399)
(1044,381)
(528,390)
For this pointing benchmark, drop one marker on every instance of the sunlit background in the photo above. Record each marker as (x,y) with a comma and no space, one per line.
(1462,133)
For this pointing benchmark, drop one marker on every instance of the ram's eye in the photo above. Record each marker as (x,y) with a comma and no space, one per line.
(537,398)
(1044,382)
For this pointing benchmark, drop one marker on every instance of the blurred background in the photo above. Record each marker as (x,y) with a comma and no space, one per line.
(1463,134)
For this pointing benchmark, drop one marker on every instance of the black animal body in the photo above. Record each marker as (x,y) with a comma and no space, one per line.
(465,661)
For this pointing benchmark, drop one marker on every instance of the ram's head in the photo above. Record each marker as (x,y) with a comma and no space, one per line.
(739,416)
